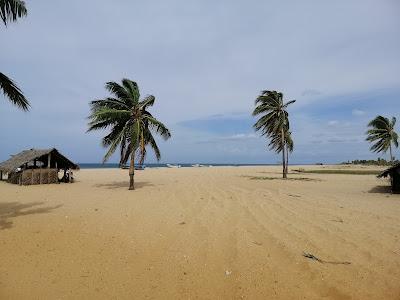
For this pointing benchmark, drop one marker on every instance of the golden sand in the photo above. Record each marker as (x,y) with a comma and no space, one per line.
(200,233)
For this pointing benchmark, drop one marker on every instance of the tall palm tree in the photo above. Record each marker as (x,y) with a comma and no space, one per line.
(10,11)
(382,135)
(131,124)
(274,122)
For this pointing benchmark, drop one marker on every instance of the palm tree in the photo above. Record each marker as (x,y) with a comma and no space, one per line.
(131,124)
(274,122)
(382,134)
(10,11)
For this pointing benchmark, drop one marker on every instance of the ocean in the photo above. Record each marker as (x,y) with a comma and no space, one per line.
(114,166)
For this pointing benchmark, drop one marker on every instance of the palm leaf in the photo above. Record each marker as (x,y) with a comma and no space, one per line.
(13,93)
(11,10)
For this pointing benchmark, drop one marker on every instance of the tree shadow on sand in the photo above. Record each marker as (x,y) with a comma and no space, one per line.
(9,210)
(381,189)
(122,185)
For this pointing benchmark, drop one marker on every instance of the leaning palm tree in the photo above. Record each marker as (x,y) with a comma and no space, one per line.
(10,11)
(274,121)
(382,135)
(131,124)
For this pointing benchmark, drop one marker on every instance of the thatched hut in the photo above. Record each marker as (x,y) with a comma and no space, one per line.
(394,173)
(37,166)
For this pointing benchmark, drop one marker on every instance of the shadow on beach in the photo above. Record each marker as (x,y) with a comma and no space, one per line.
(10,210)
(381,189)
(122,184)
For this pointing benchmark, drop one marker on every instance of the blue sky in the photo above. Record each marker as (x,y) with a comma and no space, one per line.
(205,61)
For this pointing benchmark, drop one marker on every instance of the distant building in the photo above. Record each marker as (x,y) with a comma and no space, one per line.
(394,173)
(37,166)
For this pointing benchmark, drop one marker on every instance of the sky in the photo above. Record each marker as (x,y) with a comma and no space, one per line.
(205,62)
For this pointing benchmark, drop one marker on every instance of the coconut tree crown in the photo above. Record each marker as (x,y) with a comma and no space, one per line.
(382,135)
(11,10)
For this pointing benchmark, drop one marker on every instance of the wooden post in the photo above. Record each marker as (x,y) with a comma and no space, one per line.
(48,160)
(1,175)
(34,162)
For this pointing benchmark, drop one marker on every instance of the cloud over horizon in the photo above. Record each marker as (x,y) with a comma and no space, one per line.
(205,62)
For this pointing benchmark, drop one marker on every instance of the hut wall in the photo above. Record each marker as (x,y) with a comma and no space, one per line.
(27,177)
(14,178)
(44,176)
(53,176)
(35,176)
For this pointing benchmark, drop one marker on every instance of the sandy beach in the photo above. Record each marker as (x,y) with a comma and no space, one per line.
(200,233)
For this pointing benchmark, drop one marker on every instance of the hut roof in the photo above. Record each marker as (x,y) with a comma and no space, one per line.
(18,160)
(389,171)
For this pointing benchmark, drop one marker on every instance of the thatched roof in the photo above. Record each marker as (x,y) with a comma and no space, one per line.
(389,171)
(27,156)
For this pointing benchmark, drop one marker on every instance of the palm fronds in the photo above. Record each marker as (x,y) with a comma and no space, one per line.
(382,134)
(13,93)
(11,10)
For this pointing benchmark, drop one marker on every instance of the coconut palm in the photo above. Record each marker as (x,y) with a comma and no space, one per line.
(274,122)
(382,135)
(10,11)
(131,124)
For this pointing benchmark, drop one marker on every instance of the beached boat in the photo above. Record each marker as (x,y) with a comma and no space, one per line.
(173,166)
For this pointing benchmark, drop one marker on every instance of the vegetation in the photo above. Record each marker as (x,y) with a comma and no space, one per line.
(131,124)
(371,162)
(340,171)
(274,124)
(382,135)
(277,178)
(10,11)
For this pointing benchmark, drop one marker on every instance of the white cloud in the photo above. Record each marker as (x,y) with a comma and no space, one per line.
(333,123)
(198,58)
(357,112)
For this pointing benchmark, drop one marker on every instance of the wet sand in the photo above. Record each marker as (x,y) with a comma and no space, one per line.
(200,233)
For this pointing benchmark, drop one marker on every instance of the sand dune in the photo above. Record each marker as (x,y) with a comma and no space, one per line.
(200,233)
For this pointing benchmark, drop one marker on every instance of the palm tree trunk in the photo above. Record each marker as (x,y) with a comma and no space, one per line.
(391,155)
(132,171)
(287,161)
(283,153)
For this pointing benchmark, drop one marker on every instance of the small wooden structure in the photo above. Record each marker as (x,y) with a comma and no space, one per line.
(394,173)
(37,166)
